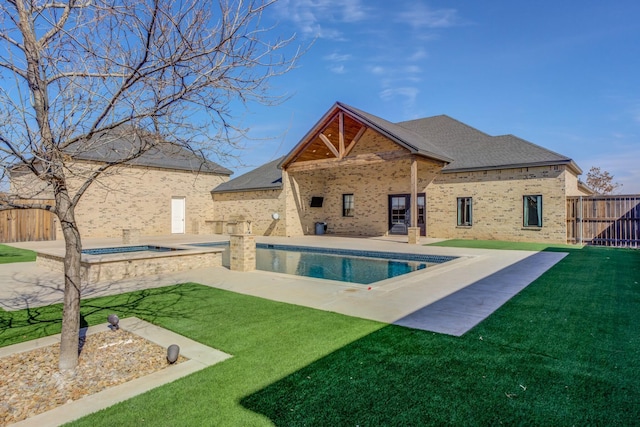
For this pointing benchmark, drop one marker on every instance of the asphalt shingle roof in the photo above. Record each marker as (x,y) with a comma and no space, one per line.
(421,143)
(265,177)
(115,145)
(472,149)
(461,146)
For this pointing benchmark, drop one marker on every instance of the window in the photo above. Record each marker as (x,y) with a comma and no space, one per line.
(347,205)
(532,211)
(464,211)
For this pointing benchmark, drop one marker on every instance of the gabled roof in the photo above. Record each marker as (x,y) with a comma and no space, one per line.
(117,144)
(266,177)
(460,146)
(415,143)
(472,149)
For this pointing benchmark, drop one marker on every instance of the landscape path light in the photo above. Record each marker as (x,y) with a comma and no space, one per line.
(113,321)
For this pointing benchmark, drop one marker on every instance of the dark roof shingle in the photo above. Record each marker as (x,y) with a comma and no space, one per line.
(265,177)
(118,144)
(460,146)
(472,149)
(412,140)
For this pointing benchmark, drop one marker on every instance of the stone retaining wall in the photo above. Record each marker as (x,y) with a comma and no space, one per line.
(103,268)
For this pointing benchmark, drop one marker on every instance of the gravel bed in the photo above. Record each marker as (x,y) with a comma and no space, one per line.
(31,382)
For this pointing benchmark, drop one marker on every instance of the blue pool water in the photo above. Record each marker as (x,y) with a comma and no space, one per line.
(127,249)
(363,267)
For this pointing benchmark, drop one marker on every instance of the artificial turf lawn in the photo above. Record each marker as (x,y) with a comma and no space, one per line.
(565,351)
(498,244)
(9,254)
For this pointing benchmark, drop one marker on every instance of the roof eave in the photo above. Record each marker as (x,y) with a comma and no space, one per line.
(241,190)
(568,162)
(585,188)
(306,139)
(574,166)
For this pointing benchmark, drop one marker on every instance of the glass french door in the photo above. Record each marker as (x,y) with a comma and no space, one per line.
(400,213)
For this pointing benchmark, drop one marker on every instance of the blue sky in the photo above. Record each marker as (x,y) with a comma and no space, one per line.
(561,74)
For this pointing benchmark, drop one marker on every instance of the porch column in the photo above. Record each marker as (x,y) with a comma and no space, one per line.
(414,230)
(242,251)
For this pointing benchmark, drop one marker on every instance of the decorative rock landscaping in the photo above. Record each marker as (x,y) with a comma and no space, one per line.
(32,384)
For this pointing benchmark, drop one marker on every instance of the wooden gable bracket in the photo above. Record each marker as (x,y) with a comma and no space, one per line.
(342,151)
(329,145)
(355,140)
(341,133)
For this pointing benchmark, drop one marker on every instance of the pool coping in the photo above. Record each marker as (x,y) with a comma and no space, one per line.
(179,250)
(434,261)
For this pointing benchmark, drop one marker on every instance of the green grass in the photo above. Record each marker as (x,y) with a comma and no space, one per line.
(9,254)
(497,244)
(565,351)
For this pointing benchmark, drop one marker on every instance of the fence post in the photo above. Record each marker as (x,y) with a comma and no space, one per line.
(579,220)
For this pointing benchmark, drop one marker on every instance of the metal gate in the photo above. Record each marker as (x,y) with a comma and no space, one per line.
(604,220)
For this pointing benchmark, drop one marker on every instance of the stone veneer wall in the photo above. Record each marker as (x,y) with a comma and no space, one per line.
(572,185)
(370,181)
(119,269)
(140,198)
(371,184)
(256,206)
(242,252)
(497,200)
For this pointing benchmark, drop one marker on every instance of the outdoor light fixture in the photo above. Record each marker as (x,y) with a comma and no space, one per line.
(113,321)
(172,353)
(275,216)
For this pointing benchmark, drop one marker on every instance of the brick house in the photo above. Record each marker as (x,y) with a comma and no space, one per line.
(365,176)
(166,190)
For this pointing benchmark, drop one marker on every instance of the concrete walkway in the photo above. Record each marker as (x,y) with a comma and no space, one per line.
(450,298)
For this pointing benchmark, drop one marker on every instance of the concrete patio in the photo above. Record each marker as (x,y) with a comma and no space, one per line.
(450,298)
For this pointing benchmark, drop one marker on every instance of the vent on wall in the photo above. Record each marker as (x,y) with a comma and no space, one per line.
(316,202)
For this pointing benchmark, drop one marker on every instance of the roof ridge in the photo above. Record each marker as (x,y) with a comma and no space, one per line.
(448,117)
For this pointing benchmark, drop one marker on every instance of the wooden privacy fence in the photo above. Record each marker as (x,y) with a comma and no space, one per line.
(25,225)
(604,220)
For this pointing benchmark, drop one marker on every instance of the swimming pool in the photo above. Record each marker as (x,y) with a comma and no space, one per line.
(361,267)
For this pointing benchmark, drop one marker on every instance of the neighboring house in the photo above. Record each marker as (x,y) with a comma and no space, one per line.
(166,190)
(365,176)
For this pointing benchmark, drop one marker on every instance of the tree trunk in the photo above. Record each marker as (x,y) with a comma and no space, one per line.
(72,283)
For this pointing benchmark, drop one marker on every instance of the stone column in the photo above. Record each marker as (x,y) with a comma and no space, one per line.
(414,235)
(242,252)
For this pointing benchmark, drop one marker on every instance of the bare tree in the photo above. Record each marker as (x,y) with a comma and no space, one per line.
(601,181)
(73,71)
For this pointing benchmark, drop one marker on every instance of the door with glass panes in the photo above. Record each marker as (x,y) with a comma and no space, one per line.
(400,213)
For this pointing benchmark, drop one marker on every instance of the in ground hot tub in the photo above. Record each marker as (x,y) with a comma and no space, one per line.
(126,262)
